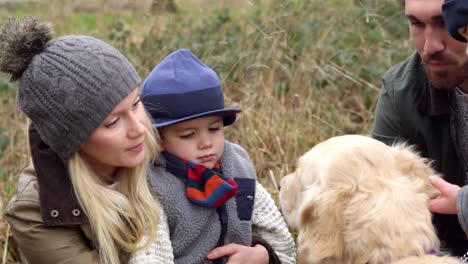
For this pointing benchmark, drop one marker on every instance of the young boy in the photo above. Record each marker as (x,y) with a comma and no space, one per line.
(453,199)
(216,210)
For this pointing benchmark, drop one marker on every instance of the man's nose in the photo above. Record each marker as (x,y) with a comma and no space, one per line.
(434,41)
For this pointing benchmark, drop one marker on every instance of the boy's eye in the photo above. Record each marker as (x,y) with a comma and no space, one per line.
(214,129)
(463,30)
(188,135)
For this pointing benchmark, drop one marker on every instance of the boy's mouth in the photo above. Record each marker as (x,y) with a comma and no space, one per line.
(206,158)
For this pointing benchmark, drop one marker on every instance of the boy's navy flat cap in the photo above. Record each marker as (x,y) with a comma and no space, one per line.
(455,17)
(182,88)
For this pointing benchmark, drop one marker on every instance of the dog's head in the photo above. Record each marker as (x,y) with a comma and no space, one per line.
(354,199)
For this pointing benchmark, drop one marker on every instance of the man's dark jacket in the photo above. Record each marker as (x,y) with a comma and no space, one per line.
(410,110)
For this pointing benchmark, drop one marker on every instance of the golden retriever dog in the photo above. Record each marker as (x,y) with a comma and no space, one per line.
(355,200)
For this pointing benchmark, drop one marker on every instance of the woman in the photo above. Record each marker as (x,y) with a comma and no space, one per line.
(82,97)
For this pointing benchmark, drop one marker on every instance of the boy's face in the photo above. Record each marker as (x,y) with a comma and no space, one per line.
(200,140)
(464,32)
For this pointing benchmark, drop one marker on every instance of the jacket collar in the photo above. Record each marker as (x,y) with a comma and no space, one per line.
(434,102)
(59,205)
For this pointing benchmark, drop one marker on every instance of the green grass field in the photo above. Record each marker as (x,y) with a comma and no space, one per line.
(302,71)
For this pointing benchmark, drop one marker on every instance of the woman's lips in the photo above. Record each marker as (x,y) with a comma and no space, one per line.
(136,148)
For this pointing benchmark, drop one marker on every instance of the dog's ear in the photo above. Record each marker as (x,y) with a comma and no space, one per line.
(418,169)
(320,239)
(290,190)
(322,222)
(294,186)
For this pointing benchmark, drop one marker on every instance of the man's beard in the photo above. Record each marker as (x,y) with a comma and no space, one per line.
(446,80)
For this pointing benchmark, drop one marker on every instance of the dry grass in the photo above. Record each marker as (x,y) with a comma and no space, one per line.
(14,157)
(302,71)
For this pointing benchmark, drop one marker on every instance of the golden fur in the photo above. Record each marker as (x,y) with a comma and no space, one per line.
(355,200)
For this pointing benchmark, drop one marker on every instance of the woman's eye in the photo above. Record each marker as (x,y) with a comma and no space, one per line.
(112,123)
(136,104)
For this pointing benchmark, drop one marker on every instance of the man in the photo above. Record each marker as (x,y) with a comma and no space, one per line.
(422,103)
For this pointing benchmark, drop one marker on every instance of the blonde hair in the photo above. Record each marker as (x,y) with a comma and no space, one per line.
(119,218)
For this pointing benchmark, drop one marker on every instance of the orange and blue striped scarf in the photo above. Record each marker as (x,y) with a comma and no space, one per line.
(205,187)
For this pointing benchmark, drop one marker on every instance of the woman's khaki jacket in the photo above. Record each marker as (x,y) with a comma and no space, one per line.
(41,244)
(49,226)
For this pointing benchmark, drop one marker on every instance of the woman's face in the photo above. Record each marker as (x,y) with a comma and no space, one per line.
(119,140)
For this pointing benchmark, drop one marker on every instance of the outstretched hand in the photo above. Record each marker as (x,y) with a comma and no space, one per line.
(238,254)
(446,202)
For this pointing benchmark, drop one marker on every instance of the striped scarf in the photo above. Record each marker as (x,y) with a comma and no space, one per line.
(205,187)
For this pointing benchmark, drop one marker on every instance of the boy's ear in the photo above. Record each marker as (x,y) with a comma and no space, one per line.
(159,139)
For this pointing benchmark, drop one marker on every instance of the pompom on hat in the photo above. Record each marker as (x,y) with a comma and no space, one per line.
(182,88)
(455,17)
(67,86)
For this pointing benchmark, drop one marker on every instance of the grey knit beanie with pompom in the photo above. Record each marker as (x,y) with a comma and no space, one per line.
(67,86)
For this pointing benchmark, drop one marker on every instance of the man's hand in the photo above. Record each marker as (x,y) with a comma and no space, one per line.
(446,202)
(238,254)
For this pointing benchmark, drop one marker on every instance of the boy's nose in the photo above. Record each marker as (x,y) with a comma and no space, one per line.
(205,141)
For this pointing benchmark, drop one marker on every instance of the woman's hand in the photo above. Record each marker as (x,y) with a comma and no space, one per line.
(238,254)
